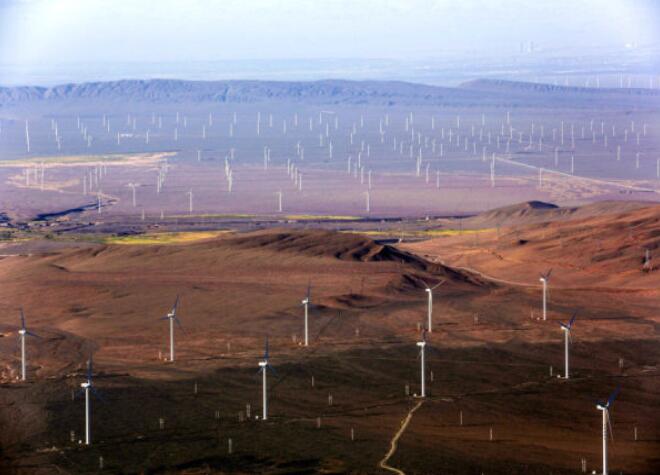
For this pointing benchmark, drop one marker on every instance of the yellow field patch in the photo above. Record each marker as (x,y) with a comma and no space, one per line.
(313,217)
(212,216)
(425,232)
(164,238)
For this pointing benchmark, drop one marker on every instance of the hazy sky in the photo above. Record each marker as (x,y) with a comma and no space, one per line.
(38,31)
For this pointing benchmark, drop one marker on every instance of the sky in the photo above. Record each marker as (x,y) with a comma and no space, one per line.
(34,33)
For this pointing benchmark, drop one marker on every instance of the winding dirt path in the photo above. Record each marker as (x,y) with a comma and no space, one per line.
(395,440)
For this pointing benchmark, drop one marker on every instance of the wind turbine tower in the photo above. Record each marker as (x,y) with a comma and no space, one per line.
(172,317)
(87,386)
(263,369)
(422,346)
(429,291)
(305,303)
(544,279)
(607,424)
(567,327)
(23,332)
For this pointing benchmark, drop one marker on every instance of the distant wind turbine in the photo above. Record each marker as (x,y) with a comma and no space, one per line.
(87,387)
(305,303)
(429,291)
(567,327)
(172,317)
(27,136)
(263,369)
(422,346)
(607,424)
(190,201)
(23,332)
(544,279)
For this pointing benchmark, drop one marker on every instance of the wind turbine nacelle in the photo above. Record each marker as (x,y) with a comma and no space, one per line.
(541,279)
(85,385)
(263,364)
(421,344)
(22,331)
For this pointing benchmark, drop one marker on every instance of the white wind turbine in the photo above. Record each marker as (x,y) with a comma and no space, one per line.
(567,327)
(545,279)
(172,317)
(133,186)
(87,387)
(190,201)
(607,424)
(23,332)
(305,303)
(422,346)
(263,369)
(279,201)
(27,136)
(429,291)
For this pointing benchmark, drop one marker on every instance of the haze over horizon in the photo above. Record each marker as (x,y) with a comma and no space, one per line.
(67,41)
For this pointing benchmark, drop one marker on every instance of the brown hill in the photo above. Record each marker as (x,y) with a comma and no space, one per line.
(602,244)
(538,211)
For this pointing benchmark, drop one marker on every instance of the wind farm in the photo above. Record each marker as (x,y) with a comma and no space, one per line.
(450,269)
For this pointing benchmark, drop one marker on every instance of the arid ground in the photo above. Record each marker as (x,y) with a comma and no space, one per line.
(493,363)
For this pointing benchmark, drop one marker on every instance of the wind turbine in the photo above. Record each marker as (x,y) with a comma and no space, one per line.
(171,316)
(305,303)
(190,201)
(429,291)
(87,387)
(544,279)
(566,327)
(279,201)
(422,345)
(23,332)
(263,369)
(133,186)
(605,407)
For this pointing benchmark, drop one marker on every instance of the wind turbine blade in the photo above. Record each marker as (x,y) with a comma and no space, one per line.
(438,285)
(176,305)
(98,395)
(613,396)
(609,423)
(89,367)
(309,291)
(32,334)
(547,275)
(22,319)
(178,322)
(570,323)
(266,350)
(272,370)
